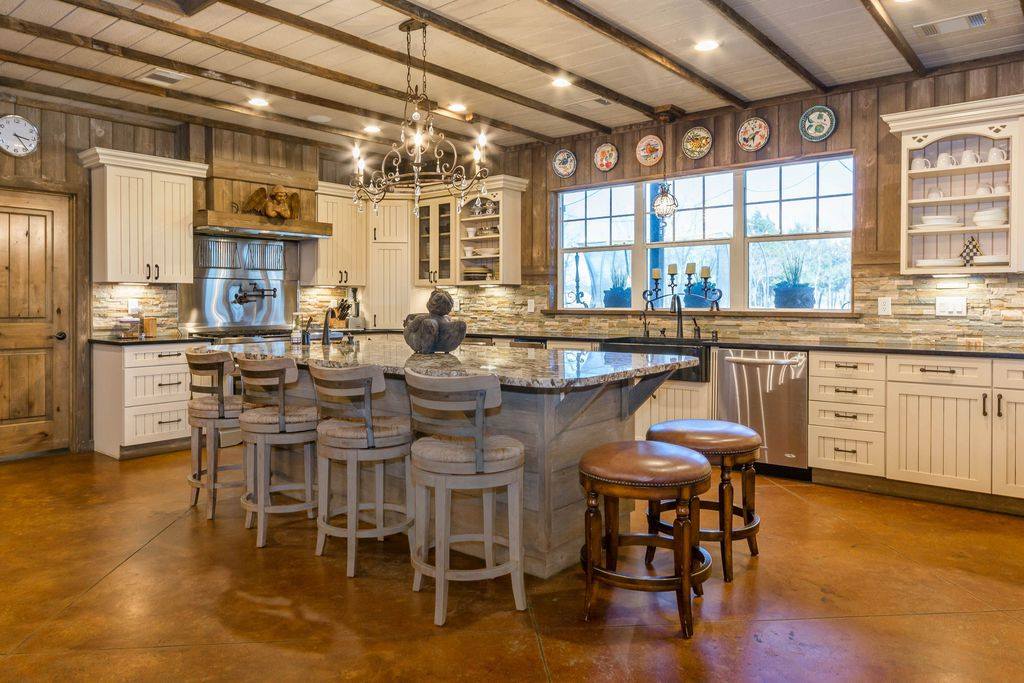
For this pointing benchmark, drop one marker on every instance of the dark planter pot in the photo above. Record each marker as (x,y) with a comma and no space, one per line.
(617,297)
(788,295)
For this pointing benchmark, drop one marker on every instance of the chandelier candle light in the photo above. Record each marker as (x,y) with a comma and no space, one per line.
(422,157)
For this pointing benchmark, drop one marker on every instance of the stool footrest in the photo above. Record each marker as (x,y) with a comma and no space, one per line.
(655,583)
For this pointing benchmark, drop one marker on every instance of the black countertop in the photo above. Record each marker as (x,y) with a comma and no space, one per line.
(159,339)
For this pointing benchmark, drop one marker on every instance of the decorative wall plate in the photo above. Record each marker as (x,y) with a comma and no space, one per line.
(606,156)
(697,142)
(649,150)
(564,163)
(753,134)
(817,123)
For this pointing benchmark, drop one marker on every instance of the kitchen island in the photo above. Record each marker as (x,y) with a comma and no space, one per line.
(557,403)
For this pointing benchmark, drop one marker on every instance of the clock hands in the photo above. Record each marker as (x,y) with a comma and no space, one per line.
(24,142)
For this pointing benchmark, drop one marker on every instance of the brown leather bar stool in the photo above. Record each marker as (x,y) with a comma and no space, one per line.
(728,446)
(652,471)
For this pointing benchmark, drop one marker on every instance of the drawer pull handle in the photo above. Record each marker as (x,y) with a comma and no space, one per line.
(842,390)
(847,366)
(168,422)
(168,384)
(168,355)
(943,371)
(984,405)
(852,451)
(846,416)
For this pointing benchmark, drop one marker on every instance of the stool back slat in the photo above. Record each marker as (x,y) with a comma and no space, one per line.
(264,379)
(206,365)
(347,392)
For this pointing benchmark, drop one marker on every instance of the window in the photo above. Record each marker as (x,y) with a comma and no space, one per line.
(772,237)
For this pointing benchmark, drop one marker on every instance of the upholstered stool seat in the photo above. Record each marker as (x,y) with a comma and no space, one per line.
(652,471)
(208,407)
(346,432)
(266,420)
(458,456)
(727,445)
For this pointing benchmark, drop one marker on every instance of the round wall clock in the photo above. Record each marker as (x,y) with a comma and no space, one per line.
(697,142)
(564,163)
(752,134)
(19,137)
(649,150)
(606,156)
(817,123)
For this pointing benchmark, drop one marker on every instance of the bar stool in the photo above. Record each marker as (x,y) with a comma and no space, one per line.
(652,471)
(209,415)
(726,445)
(273,423)
(458,455)
(351,433)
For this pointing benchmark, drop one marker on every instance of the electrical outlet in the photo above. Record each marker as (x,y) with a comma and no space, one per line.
(530,306)
(885,305)
(458,304)
(951,306)
(133,307)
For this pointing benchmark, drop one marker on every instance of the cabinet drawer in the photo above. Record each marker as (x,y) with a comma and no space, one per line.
(856,365)
(1008,374)
(940,370)
(156,354)
(847,450)
(840,390)
(160,422)
(847,415)
(156,384)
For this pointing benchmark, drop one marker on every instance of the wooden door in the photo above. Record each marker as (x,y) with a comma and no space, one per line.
(171,235)
(1008,444)
(35,323)
(939,435)
(387,292)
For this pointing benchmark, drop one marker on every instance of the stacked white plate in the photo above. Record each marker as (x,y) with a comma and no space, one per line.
(938,221)
(990,217)
(991,260)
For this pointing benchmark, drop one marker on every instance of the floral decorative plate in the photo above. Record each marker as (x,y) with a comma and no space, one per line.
(649,150)
(564,163)
(752,134)
(817,123)
(697,142)
(606,156)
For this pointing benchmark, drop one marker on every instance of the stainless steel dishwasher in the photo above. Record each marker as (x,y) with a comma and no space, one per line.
(766,391)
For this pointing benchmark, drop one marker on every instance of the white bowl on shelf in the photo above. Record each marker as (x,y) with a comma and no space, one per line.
(940,219)
(991,260)
(991,224)
(938,262)
(487,251)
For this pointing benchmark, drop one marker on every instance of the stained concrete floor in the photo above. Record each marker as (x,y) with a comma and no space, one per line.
(106,575)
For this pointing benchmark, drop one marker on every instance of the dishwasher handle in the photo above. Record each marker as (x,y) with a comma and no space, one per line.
(738,360)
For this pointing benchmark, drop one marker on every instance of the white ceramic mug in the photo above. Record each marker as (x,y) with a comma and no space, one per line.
(935,193)
(468,250)
(996,154)
(969,158)
(983,189)
(946,160)
(1001,188)
(471,232)
(920,163)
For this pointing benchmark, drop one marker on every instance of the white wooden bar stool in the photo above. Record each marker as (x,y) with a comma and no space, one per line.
(273,423)
(458,455)
(210,415)
(349,432)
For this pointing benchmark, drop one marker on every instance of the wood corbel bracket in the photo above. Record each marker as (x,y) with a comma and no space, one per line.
(573,403)
(634,396)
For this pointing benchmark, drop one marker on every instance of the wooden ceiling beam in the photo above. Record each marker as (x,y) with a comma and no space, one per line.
(766,43)
(272,13)
(182,31)
(888,26)
(574,9)
(490,44)
(184,7)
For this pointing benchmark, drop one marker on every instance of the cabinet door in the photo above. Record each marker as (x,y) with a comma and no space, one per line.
(674,401)
(940,435)
(846,450)
(444,221)
(424,252)
(391,221)
(352,256)
(1008,444)
(170,243)
(387,292)
(127,222)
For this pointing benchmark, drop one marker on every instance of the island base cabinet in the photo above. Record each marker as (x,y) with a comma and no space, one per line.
(674,401)
(846,450)
(1008,444)
(940,435)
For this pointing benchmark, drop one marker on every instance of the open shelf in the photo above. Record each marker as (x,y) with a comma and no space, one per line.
(966,199)
(473,219)
(479,238)
(952,229)
(987,167)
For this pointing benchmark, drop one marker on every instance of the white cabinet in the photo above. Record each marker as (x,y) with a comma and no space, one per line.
(975,372)
(390,222)
(339,260)
(387,298)
(435,242)
(489,231)
(674,401)
(1008,443)
(142,213)
(847,450)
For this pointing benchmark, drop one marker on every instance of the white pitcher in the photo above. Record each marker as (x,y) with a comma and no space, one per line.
(969,158)
(996,154)
(946,160)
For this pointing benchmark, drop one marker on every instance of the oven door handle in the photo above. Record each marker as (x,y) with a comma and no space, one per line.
(738,360)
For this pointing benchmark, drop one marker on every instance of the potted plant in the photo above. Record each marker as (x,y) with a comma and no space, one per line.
(790,292)
(618,295)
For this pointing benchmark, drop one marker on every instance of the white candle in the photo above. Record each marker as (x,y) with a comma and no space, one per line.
(691,268)
(705,271)
(673,269)
(656,273)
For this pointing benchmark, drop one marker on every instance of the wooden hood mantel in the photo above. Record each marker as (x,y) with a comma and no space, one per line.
(209,222)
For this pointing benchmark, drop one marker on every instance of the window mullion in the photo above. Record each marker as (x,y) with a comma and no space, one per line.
(638,253)
(738,245)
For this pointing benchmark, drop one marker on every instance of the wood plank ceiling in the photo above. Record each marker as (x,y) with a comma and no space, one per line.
(332,67)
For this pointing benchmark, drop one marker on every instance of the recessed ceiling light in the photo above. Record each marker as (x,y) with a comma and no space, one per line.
(320,118)
(561,82)
(258,102)
(371,129)
(456,107)
(706,45)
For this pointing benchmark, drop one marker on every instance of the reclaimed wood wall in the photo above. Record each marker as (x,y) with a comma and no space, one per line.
(860,130)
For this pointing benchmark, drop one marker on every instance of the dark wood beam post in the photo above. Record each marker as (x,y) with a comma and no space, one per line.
(766,43)
(643,48)
(885,22)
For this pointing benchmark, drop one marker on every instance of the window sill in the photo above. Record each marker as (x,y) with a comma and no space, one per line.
(690,312)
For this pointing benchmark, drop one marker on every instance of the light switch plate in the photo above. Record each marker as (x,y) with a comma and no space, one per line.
(950,306)
(530,306)
(885,305)
(457,303)
(133,307)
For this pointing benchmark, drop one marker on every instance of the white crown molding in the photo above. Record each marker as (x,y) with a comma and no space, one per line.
(951,115)
(99,156)
(507,182)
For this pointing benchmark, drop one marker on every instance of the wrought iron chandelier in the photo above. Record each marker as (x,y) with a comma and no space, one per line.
(422,157)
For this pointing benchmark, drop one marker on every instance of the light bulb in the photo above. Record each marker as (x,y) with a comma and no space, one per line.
(258,102)
(706,45)
(482,139)
(476,154)
(355,152)
(561,82)
(665,204)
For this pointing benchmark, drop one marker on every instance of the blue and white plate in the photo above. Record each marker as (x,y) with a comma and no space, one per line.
(564,163)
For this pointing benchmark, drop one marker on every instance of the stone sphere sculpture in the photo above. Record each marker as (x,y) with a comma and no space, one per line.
(435,331)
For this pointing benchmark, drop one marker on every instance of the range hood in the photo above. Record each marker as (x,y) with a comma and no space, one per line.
(208,222)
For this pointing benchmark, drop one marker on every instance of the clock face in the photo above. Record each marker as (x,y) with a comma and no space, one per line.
(18,136)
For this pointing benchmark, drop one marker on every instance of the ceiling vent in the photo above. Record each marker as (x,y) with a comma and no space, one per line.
(962,22)
(593,105)
(163,77)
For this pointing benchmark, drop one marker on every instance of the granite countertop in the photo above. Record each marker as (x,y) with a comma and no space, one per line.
(158,339)
(529,368)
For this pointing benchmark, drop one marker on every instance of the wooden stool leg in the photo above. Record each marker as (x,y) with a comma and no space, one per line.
(249,465)
(682,530)
(308,457)
(593,549)
(488,502)
(378,497)
(698,588)
(410,505)
(442,525)
(653,517)
(352,518)
(725,520)
(323,507)
(515,540)
(611,533)
(197,465)
(263,492)
(748,503)
(422,520)
(212,463)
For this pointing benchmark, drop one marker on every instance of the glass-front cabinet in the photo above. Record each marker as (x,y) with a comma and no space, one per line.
(435,241)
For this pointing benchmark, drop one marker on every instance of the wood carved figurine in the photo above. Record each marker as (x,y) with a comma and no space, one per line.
(435,331)
(278,204)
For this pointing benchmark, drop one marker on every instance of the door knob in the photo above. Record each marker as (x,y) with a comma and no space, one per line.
(60,336)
